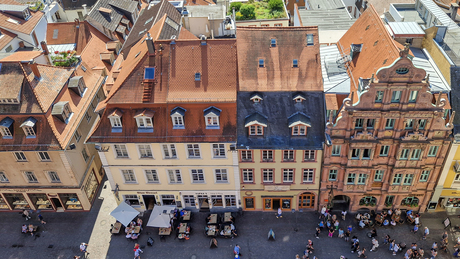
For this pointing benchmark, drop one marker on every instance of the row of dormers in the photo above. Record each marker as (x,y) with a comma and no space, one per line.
(144,119)
(256,123)
(256,97)
(29,126)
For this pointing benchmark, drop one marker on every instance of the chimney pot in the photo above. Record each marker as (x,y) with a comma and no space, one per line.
(45,47)
(34,68)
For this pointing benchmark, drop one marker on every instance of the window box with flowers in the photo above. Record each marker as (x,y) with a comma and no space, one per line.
(64,58)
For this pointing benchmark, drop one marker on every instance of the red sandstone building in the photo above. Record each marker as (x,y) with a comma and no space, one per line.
(388,143)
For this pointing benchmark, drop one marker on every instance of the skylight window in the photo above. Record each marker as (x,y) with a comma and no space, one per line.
(13,21)
(149,20)
(310,39)
(149,73)
(261,63)
(295,63)
(197,76)
(273,43)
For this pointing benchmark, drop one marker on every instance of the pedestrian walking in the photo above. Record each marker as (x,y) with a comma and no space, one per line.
(434,246)
(279,213)
(344,214)
(386,240)
(362,253)
(426,232)
(137,253)
(392,244)
(310,247)
(415,229)
(375,244)
(321,225)
(83,247)
(347,235)
(236,250)
(323,211)
(445,235)
(350,228)
(395,249)
(318,230)
(25,214)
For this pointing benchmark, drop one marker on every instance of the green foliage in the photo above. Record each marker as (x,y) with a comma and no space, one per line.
(239,16)
(275,5)
(247,11)
(237,6)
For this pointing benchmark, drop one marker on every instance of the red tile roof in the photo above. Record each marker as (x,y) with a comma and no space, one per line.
(7,38)
(199,2)
(186,34)
(68,33)
(24,26)
(22,56)
(278,73)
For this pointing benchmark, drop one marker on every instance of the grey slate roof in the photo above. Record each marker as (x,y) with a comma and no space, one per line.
(256,117)
(147,18)
(70,4)
(327,19)
(179,110)
(212,109)
(129,6)
(111,21)
(6,122)
(278,107)
(298,117)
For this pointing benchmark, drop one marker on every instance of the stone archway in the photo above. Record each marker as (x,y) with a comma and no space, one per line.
(341,202)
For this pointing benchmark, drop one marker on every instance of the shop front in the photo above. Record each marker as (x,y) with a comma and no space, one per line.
(17,201)
(91,186)
(40,201)
(450,199)
(271,201)
(3,204)
(70,201)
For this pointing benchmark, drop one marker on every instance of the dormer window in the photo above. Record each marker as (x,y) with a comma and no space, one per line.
(77,84)
(310,40)
(273,43)
(256,97)
(177,117)
(26,14)
(144,120)
(6,128)
(197,76)
(261,63)
(61,110)
(115,120)
(30,127)
(295,63)
(298,97)
(256,124)
(298,122)
(211,116)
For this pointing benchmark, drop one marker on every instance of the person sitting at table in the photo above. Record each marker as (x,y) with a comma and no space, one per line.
(134,236)
(187,230)
(24,228)
(182,213)
(139,222)
(358,216)
(232,227)
(398,212)
(31,229)
(393,222)
(129,235)
(234,233)
(127,230)
(386,222)
(361,224)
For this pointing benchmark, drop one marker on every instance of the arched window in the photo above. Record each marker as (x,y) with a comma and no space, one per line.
(410,201)
(368,201)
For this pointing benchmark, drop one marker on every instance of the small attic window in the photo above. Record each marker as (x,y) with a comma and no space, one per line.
(144,120)
(197,76)
(6,128)
(211,116)
(115,120)
(261,63)
(310,39)
(367,28)
(295,63)
(256,97)
(77,85)
(62,111)
(402,70)
(273,43)
(29,127)
(376,42)
(149,73)
(26,14)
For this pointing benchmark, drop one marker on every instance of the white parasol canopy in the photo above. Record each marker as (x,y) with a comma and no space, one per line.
(124,213)
(161,216)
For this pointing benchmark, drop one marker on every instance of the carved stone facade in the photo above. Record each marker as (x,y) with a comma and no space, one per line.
(388,144)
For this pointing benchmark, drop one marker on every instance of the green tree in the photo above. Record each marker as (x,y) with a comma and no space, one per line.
(276,5)
(237,6)
(247,11)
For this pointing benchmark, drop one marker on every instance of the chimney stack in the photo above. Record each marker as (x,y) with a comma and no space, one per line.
(45,48)
(34,68)
(85,10)
(453,10)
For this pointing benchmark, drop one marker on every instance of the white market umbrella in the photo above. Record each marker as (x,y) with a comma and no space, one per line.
(160,217)
(124,213)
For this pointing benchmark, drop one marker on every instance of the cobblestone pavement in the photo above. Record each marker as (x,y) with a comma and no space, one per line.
(65,231)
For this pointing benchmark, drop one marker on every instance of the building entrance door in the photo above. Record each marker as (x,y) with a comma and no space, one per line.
(306,200)
(57,204)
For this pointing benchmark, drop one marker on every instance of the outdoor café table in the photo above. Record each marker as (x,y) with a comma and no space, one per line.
(116,228)
(137,229)
(182,227)
(187,215)
(213,219)
(227,230)
(395,217)
(164,231)
(211,230)
(227,216)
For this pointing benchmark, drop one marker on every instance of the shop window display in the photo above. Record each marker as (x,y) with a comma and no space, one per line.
(40,201)
(3,205)
(453,202)
(17,201)
(70,200)
(91,186)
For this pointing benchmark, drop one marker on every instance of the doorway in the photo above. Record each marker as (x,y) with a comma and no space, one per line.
(57,204)
(306,200)
(340,202)
(203,201)
(149,201)
(276,204)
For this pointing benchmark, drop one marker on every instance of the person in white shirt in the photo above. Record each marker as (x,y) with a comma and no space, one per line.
(137,253)
(279,213)
(344,213)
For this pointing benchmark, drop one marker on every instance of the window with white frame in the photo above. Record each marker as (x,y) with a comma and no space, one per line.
(433,151)
(230,200)
(174,176)
(424,175)
(121,151)
(169,151)
(332,175)
(246,155)
(396,96)
(30,176)
(189,200)
(221,175)
(6,132)
(144,122)
(177,117)
(390,123)
(309,155)
(370,123)
(44,156)
(409,124)
(29,131)
(335,150)
(415,154)
(115,121)
(404,154)
(77,136)
(288,175)
(197,176)
(359,123)
(256,130)
(384,150)
(211,116)
(193,151)
(217,200)
(267,175)
(299,130)
(54,177)
(3,178)
(355,153)
(152,176)
(408,179)
(397,179)
(362,178)
(378,176)
(308,175)
(129,176)
(378,96)
(218,150)
(20,156)
(367,153)
(422,123)
(457,178)
(248,175)
(413,96)
(267,155)
(288,155)
(145,151)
